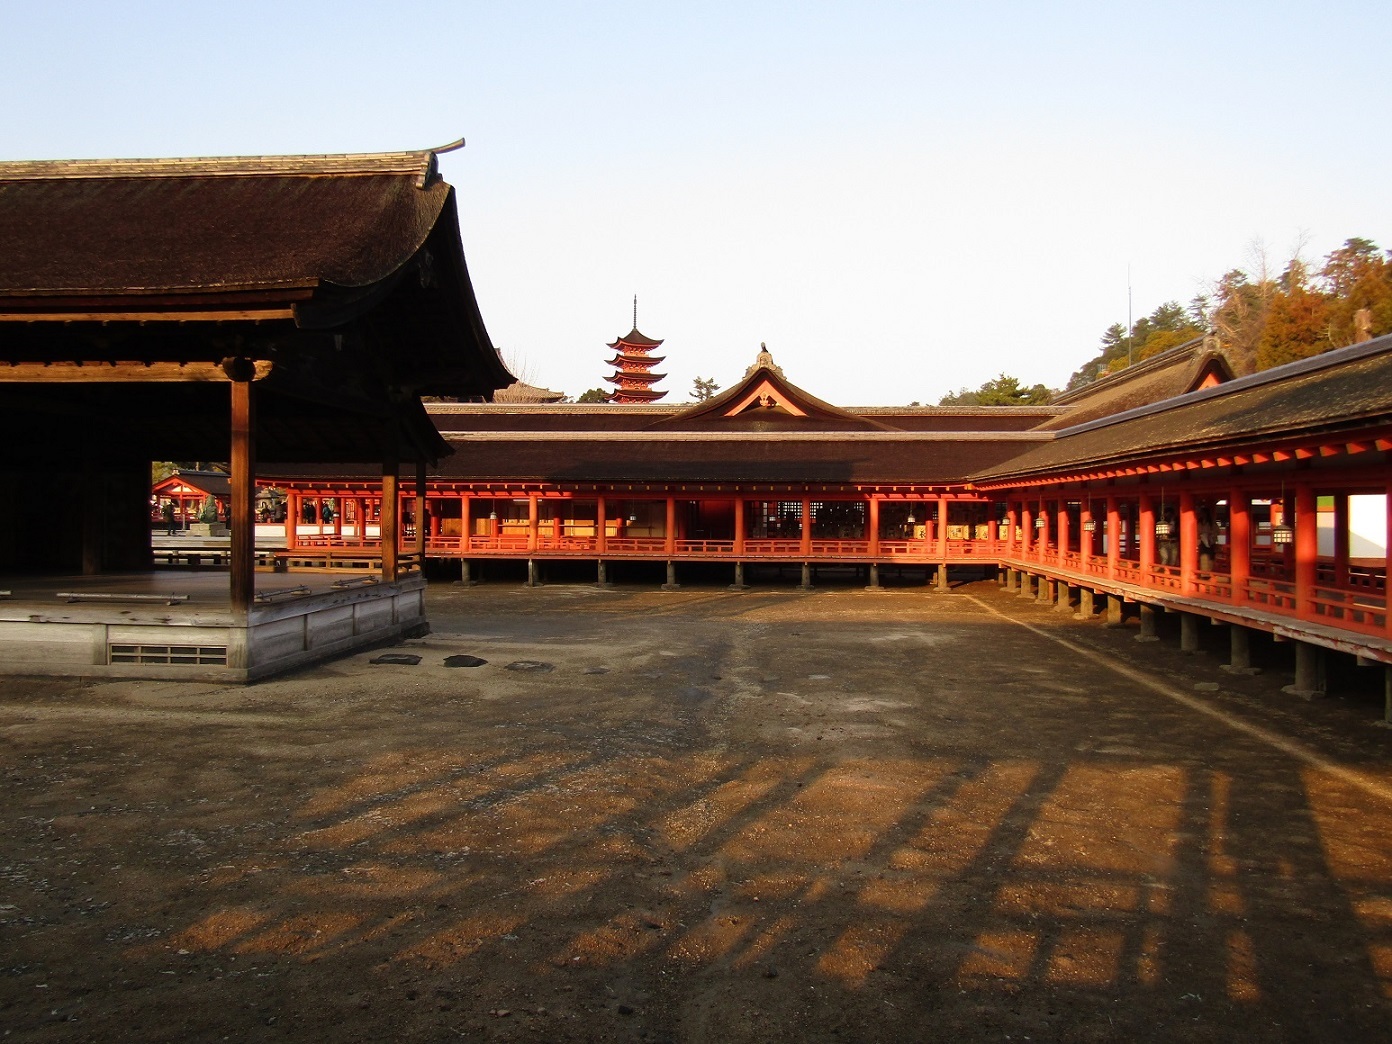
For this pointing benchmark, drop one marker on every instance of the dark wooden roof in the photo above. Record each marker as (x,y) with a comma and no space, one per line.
(345,273)
(1183,368)
(634,339)
(723,412)
(1347,389)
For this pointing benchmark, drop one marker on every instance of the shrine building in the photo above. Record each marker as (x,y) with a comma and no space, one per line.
(285,310)
(1258,503)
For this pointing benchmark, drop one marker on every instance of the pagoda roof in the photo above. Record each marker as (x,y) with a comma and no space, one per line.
(640,378)
(638,360)
(634,339)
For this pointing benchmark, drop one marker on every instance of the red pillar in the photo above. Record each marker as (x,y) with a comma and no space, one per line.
(1063,535)
(942,529)
(387,521)
(533,516)
(601,526)
(1239,543)
(671,530)
(1341,540)
(1113,536)
(466,523)
(873,512)
(292,521)
(1026,530)
(739,524)
(1146,524)
(243,508)
(1042,532)
(806,526)
(1188,542)
(1011,522)
(1306,549)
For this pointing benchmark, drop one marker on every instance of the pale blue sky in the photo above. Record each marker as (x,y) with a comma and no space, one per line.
(901,199)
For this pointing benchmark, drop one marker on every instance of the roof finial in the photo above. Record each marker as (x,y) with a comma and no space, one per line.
(635,311)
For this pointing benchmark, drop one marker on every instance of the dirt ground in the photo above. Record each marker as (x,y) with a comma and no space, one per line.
(703,816)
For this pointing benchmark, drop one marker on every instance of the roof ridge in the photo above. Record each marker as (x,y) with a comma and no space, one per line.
(421,162)
(1136,369)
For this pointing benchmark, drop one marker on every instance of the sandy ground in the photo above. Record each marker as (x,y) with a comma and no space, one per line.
(703,816)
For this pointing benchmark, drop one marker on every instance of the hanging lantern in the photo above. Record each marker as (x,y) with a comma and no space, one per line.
(1282,534)
(1163,528)
(1089,526)
(912,520)
(1038,521)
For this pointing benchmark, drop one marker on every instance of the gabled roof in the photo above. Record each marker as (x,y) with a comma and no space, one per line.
(1350,388)
(766,401)
(1187,367)
(209,483)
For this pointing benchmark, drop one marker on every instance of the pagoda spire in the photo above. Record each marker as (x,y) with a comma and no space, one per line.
(633,361)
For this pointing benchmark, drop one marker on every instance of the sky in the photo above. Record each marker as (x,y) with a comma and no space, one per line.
(899,199)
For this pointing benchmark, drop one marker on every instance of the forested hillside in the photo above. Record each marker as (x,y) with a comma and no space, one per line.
(1263,321)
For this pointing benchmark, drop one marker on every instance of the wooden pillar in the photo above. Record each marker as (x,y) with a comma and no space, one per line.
(1113,536)
(1042,533)
(942,532)
(1239,543)
(739,525)
(1306,549)
(243,482)
(1341,540)
(1026,530)
(1387,559)
(1086,538)
(388,521)
(420,514)
(1011,522)
(533,519)
(466,524)
(338,520)
(806,525)
(670,536)
(601,529)
(1063,535)
(1146,523)
(873,513)
(1188,542)
(292,521)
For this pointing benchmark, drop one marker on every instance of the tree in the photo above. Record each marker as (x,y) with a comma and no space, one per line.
(999,391)
(594,395)
(1297,320)
(704,388)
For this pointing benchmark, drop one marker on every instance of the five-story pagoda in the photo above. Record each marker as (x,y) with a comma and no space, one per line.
(633,377)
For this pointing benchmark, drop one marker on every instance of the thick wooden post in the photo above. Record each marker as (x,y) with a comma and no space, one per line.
(1306,549)
(1239,543)
(1086,539)
(466,523)
(942,529)
(1063,534)
(1387,571)
(1043,533)
(601,528)
(388,521)
(243,481)
(1341,540)
(739,525)
(533,520)
(421,524)
(1188,542)
(293,509)
(1011,522)
(873,514)
(1026,530)
(670,534)
(1146,522)
(1113,536)
(806,526)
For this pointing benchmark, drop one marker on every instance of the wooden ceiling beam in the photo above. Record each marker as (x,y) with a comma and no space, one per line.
(119,372)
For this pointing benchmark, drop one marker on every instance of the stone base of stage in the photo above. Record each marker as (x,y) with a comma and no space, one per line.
(173,624)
